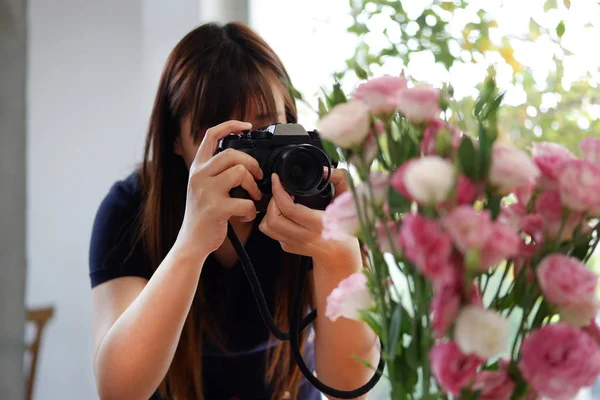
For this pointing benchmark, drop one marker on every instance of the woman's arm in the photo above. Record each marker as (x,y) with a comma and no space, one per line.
(336,343)
(137,325)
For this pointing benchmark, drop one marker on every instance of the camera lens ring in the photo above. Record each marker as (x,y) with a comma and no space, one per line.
(315,184)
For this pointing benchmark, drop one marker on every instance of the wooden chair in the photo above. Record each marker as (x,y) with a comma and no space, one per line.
(38,317)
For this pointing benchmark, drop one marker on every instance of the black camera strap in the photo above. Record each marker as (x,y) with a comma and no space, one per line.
(296,324)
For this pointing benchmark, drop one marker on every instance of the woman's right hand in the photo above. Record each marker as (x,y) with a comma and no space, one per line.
(208,204)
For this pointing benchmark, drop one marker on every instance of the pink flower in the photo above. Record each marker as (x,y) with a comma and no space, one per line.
(346,125)
(558,360)
(503,244)
(523,259)
(380,184)
(568,284)
(429,180)
(351,295)
(550,158)
(438,138)
(548,205)
(533,225)
(386,236)
(493,385)
(591,150)
(451,368)
(397,180)
(419,104)
(525,193)
(579,185)
(468,228)
(380,94)
(512,215)
(593,330)
(428,247)
(511,168)
(466,191)
(445,307)
(340,219)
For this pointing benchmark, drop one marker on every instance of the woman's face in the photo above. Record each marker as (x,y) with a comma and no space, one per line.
(186,148)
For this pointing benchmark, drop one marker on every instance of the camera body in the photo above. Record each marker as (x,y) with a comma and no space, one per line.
(295,155)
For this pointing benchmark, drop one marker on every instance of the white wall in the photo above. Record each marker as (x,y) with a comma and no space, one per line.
(93,71)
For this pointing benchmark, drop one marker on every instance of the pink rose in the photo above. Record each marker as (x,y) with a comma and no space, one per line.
(340,218)
(549,206)
(591,150)
(468,228)
(511,168)
(567,283)
(380,94)
(559,360)
(438,138)
(579,185)
(351,295)
(419,104)
(445,307)
(428,247)
(550,158)
(397,180)
(493,385)
(451,368)
(346,125)
(503,244)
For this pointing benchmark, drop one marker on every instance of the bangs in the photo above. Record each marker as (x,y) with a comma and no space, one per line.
(237,89)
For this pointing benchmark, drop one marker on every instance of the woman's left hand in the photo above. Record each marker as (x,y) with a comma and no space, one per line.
(297,227)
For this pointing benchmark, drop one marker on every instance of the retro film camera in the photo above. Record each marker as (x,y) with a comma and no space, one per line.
(295,155)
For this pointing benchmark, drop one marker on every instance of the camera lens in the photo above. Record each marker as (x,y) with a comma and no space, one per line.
(300,169)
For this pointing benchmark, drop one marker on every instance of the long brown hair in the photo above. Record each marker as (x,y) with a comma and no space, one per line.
(212,75)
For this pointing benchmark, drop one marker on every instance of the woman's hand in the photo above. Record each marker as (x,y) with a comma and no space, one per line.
(297,227)
(208,205)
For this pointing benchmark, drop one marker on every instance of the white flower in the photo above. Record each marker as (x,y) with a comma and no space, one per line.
(346,125)
(351,295)
(580,315)
(511,168)
(481,332)
(429,180)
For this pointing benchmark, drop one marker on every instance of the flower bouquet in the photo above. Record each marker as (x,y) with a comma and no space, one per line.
(476,281)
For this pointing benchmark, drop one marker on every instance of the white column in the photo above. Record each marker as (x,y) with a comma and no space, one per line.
(13,65)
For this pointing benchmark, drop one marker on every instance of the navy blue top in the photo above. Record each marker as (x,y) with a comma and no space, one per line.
(239,373)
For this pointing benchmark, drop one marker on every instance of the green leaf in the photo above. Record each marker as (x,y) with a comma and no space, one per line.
(337,96)
(394,332)
(295,93)
(330,149)
(322,109)
(549,5)
(360,72)
(493,204)
(567,3)
(398,203)
(467,157)
(560,29)
(373,320)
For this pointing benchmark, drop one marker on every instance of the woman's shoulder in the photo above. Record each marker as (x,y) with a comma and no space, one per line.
(115,246)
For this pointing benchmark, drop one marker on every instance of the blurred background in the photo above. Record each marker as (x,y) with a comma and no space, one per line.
(77,81)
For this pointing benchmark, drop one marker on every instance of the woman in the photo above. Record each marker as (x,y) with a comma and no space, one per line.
(174,317)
